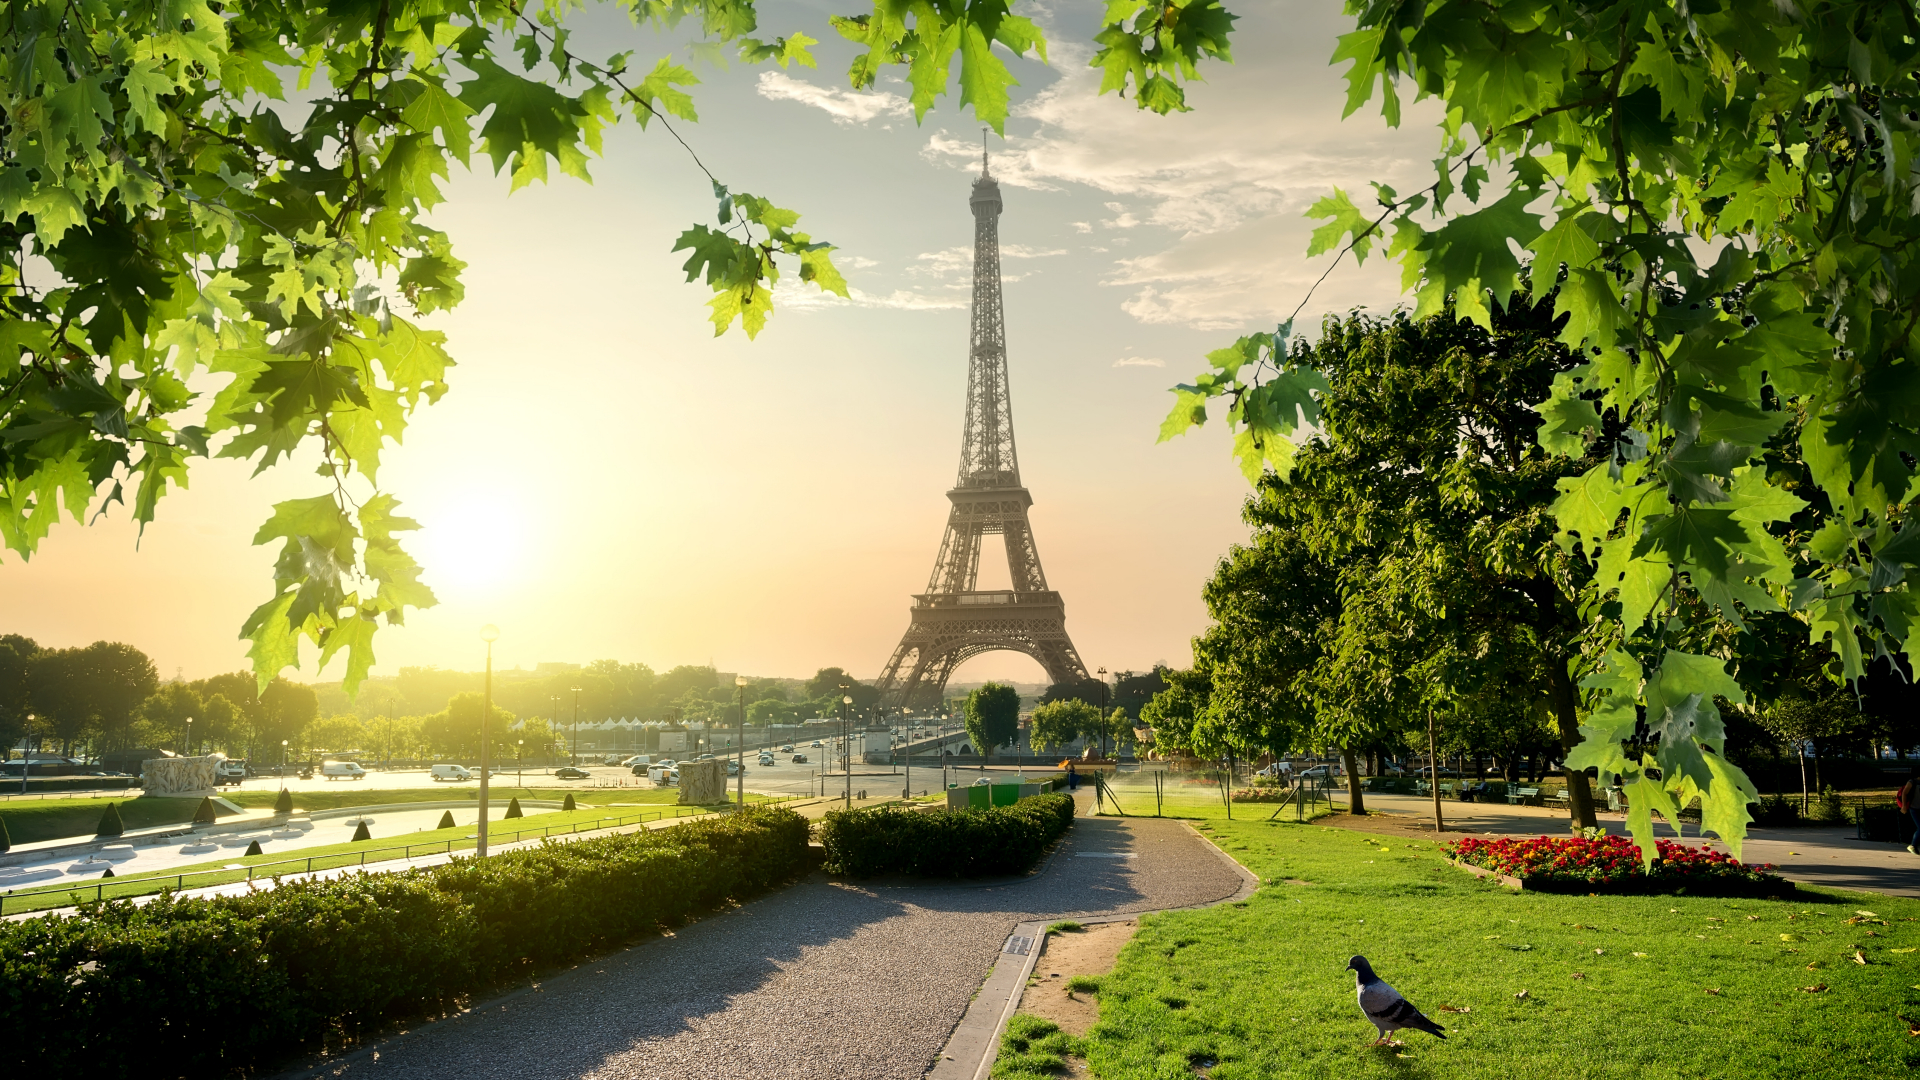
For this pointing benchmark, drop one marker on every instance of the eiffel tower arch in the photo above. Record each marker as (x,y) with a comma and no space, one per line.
(954,621)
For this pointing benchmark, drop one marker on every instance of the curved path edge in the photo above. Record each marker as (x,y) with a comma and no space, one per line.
(975,1043)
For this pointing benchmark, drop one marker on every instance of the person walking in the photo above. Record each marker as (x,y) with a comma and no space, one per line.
(1073,778)
(1908,800)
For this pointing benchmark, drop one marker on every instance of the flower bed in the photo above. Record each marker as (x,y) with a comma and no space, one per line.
(1612,864)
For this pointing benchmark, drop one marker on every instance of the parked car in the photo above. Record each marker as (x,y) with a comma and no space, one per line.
(799,759)
(342,770)
(449,772)
(1321,772)
(638,759)
(1278,768)
(568,772)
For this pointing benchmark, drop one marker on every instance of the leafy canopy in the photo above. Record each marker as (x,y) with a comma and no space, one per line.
(1727,194)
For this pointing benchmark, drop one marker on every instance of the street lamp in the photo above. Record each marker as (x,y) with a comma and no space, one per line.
(520,764)
(576,725)
(846,742)
(740,750)
(1103,712)
(489,634)
(189,747)
(26,754)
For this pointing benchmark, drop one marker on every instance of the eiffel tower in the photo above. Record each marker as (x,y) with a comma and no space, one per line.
(954,621)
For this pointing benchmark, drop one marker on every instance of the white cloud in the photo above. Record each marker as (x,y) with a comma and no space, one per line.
(1139,361)
(1229,181)
(844,106)
(955,261)
(791,294)
(1082,226)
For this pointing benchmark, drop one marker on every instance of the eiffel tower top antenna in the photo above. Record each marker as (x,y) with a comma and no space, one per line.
(985,173)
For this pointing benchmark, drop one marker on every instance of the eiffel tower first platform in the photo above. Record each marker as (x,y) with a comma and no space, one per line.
(953,620)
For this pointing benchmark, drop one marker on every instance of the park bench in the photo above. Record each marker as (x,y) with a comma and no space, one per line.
(1561,798)
(1423,787)
(1520,795)
(1446,789)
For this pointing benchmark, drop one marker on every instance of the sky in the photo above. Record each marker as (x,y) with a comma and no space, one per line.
(606,479)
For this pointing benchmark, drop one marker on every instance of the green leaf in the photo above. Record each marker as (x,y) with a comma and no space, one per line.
(1189,411)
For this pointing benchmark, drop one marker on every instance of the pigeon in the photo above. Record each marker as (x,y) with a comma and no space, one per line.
(1385,1008)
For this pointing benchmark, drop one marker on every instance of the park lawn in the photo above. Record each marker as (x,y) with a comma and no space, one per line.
(31,821)
(280,859)
(1259,988)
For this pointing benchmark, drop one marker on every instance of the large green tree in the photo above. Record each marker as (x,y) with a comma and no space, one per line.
(1057,723)
(993,717)
(1405,564)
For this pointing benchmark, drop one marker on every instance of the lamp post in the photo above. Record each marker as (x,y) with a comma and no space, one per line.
(740,750)
(520,764)
(26,753)
(489,634)
(906,791)
(846,745)
(283,764)
(189,747)
(1103,712)
(576,726)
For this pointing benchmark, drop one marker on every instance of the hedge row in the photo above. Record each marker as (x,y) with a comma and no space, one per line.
(211,987)
(953,843)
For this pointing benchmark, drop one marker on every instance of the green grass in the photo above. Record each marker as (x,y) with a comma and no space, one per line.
(1067,926)
(323,857)
(30,821)
(1032,1048)
(1615,986)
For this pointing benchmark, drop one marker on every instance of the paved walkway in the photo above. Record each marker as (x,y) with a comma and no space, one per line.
(826,979)
(1815,856)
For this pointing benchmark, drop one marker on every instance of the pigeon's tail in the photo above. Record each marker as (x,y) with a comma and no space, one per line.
(1404,1015)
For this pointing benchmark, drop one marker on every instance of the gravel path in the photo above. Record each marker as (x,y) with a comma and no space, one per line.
(824,979)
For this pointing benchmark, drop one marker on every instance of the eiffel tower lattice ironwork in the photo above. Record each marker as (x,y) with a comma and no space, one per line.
(953,620)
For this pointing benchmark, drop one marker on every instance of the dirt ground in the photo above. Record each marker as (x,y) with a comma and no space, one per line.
(1392,824)
(1076,952)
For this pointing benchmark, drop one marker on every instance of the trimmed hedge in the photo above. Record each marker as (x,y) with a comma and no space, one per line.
(953,843)
(209,987)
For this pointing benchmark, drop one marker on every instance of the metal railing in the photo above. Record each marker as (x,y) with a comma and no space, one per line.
(142,886)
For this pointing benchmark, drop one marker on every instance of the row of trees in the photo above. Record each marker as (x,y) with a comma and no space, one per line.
(107,696)
(1405,576)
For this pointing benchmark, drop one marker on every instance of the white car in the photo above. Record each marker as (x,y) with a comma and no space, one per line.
(766,760)
(450,772)
(342,770)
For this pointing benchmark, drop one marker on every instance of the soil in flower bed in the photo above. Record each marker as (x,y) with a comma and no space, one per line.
(1612,864)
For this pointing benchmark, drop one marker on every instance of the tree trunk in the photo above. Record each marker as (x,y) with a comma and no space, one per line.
(1800,751)
(1356,802)
(1560,692)
(1433,777)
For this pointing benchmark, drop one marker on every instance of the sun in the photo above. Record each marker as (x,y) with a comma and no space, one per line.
(470,543)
